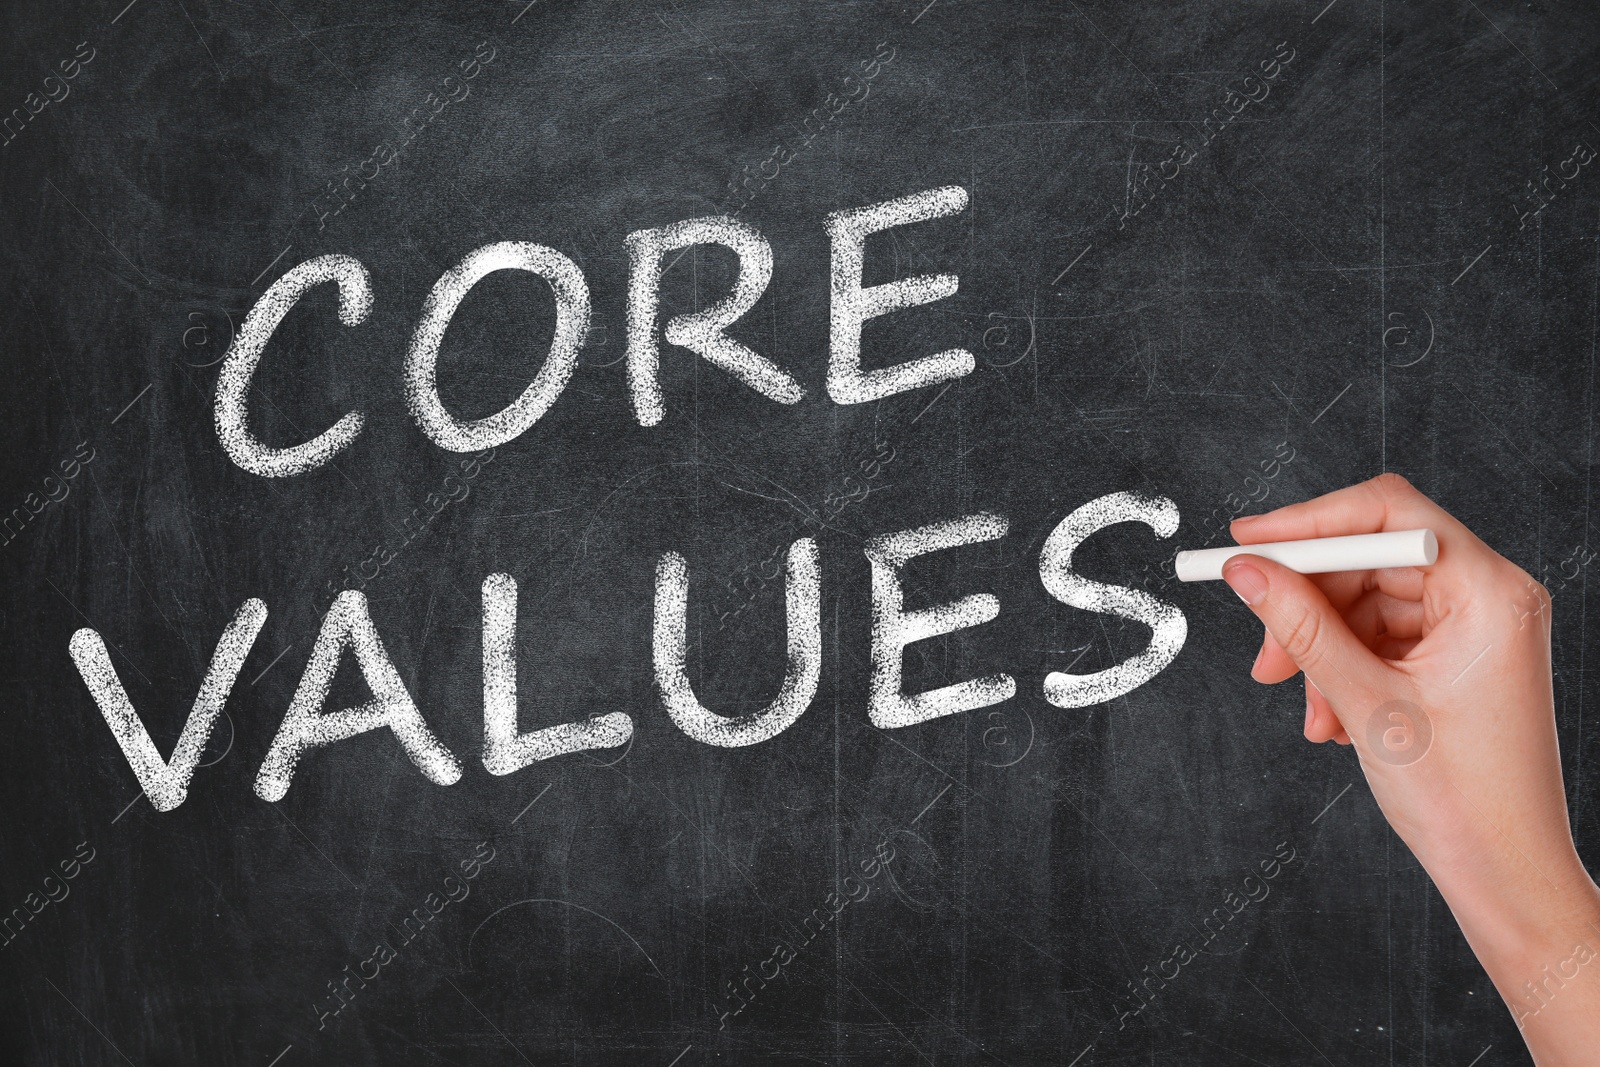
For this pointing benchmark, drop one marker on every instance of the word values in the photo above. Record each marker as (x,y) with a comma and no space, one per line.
(347,625)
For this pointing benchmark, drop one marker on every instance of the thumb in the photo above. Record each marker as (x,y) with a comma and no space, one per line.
(1311,632)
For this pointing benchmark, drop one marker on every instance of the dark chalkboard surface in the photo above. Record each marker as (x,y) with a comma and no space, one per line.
(1232,255)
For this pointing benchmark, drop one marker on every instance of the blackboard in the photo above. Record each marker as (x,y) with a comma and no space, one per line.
(1227,254)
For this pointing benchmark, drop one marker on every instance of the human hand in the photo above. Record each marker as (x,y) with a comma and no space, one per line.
(1440,677)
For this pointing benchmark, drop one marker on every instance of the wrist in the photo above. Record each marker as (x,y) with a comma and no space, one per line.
(1525,929)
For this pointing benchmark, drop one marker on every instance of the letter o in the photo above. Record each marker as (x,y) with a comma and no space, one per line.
(572,323)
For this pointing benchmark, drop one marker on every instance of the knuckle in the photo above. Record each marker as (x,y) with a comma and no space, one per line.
(1301,638)
(1391,485)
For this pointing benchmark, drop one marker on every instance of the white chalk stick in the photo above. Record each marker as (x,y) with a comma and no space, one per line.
(1319,555)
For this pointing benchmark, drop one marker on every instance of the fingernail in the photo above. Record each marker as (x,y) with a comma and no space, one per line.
(1247,582)
(1309,713)
(1262,651)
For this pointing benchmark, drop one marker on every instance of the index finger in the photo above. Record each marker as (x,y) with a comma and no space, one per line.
(1387,502)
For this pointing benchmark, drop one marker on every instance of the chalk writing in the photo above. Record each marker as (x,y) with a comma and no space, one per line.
(348,625)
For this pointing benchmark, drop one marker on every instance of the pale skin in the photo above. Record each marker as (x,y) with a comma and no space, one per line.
(1465,644)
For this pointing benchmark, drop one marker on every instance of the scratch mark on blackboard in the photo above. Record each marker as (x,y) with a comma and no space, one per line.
(304,37)
(532,802)
(97,229)
(680,1056)
(890,737)
(132,402)
(280,1055)
(121,13)
(1512,444)
(1110,842)
(1324,11)
(124,811)
(269,266)
(625,750)
(202,40)
(488,1020)
(273,664)
(134,666)
(1513,44)
(85,1018)
(279,809)
(1469,266)
(567,904)
(873,1004)
(1286,1019)
(1332,402)
(931,803)
(1332,802)
(1074,262)
(932,402)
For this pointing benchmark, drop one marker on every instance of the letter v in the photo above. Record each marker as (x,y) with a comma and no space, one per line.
(167,783)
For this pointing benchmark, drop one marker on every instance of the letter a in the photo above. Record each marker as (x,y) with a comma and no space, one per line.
(305,726)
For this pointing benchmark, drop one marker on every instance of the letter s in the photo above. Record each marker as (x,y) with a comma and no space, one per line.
(1169,627)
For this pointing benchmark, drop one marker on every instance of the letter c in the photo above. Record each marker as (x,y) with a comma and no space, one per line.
(239,366)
